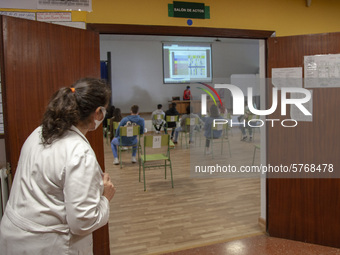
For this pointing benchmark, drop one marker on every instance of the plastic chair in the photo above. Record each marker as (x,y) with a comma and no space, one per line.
(256,147)
(160,159)
(171,119)
(127,132)
(112,128)
(222,139)
(189,129)
(253,121)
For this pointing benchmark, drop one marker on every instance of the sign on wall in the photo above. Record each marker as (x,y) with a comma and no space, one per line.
(189,10)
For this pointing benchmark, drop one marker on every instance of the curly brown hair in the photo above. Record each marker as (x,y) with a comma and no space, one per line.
(70,106)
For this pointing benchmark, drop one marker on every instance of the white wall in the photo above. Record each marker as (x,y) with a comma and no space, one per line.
(137,75)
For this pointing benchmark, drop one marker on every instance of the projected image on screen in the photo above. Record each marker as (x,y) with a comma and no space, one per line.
(186,63)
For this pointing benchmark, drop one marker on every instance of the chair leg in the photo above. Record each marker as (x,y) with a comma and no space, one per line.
(229,148)
(165,169)
(139,160)
(172,182)
(255,147)
(144,177)
(120,156)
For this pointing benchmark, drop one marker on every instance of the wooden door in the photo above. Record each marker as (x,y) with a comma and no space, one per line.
(305,209)
(36,59)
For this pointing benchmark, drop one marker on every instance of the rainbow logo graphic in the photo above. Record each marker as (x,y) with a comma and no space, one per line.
(209,93)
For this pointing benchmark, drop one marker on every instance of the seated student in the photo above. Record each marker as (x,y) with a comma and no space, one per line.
(117,117)
(188,114)
(209,122)
(223,111)
(171,112)
(158,123)
(128,141)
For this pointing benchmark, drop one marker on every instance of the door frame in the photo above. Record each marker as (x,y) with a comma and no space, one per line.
(124,29)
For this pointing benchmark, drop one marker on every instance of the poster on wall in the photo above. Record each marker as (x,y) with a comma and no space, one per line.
(22,15)
(84,5)
(322,71)
(18,4)
(287,77)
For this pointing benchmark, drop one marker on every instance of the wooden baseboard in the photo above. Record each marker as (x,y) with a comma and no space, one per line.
(262,224)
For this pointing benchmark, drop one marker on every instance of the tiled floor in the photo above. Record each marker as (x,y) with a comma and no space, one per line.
(260,245)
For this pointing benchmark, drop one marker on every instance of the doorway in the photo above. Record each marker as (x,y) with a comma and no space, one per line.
(161,239)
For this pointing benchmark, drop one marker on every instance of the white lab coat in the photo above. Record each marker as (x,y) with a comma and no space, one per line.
(56,199)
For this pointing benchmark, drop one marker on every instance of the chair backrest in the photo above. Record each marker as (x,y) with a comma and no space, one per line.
(172,118)
(191,121)
(158,117)
(115,124)
(219,126)
(159,143)
(129,131)
(156,141)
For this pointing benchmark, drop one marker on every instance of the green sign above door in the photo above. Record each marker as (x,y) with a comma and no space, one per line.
(189,10)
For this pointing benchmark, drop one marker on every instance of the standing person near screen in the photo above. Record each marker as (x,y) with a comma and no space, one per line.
(187,94)
(60,194)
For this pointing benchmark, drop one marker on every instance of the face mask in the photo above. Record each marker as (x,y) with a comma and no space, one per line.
(98,122)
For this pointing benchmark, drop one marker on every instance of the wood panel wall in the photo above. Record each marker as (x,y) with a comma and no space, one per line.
(305,209)
(38,58)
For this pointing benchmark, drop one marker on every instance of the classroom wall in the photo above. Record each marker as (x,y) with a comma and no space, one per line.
(137,75)
(289,17)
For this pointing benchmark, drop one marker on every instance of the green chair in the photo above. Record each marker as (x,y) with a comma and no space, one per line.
(190,124)
(224,127)
(112,128)
(155,153)
(128,132)
(171,119)
(253,121)
(256,147)
(229,118)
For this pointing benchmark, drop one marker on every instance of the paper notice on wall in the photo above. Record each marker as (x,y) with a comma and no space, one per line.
(157,141)
(22,15)
(296,113)
(54,16)
(18,4)
(287,77)
(84,5)
(322,71)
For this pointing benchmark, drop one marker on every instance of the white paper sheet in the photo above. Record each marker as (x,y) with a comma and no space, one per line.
(322,71)
(157,142)
(287,77)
